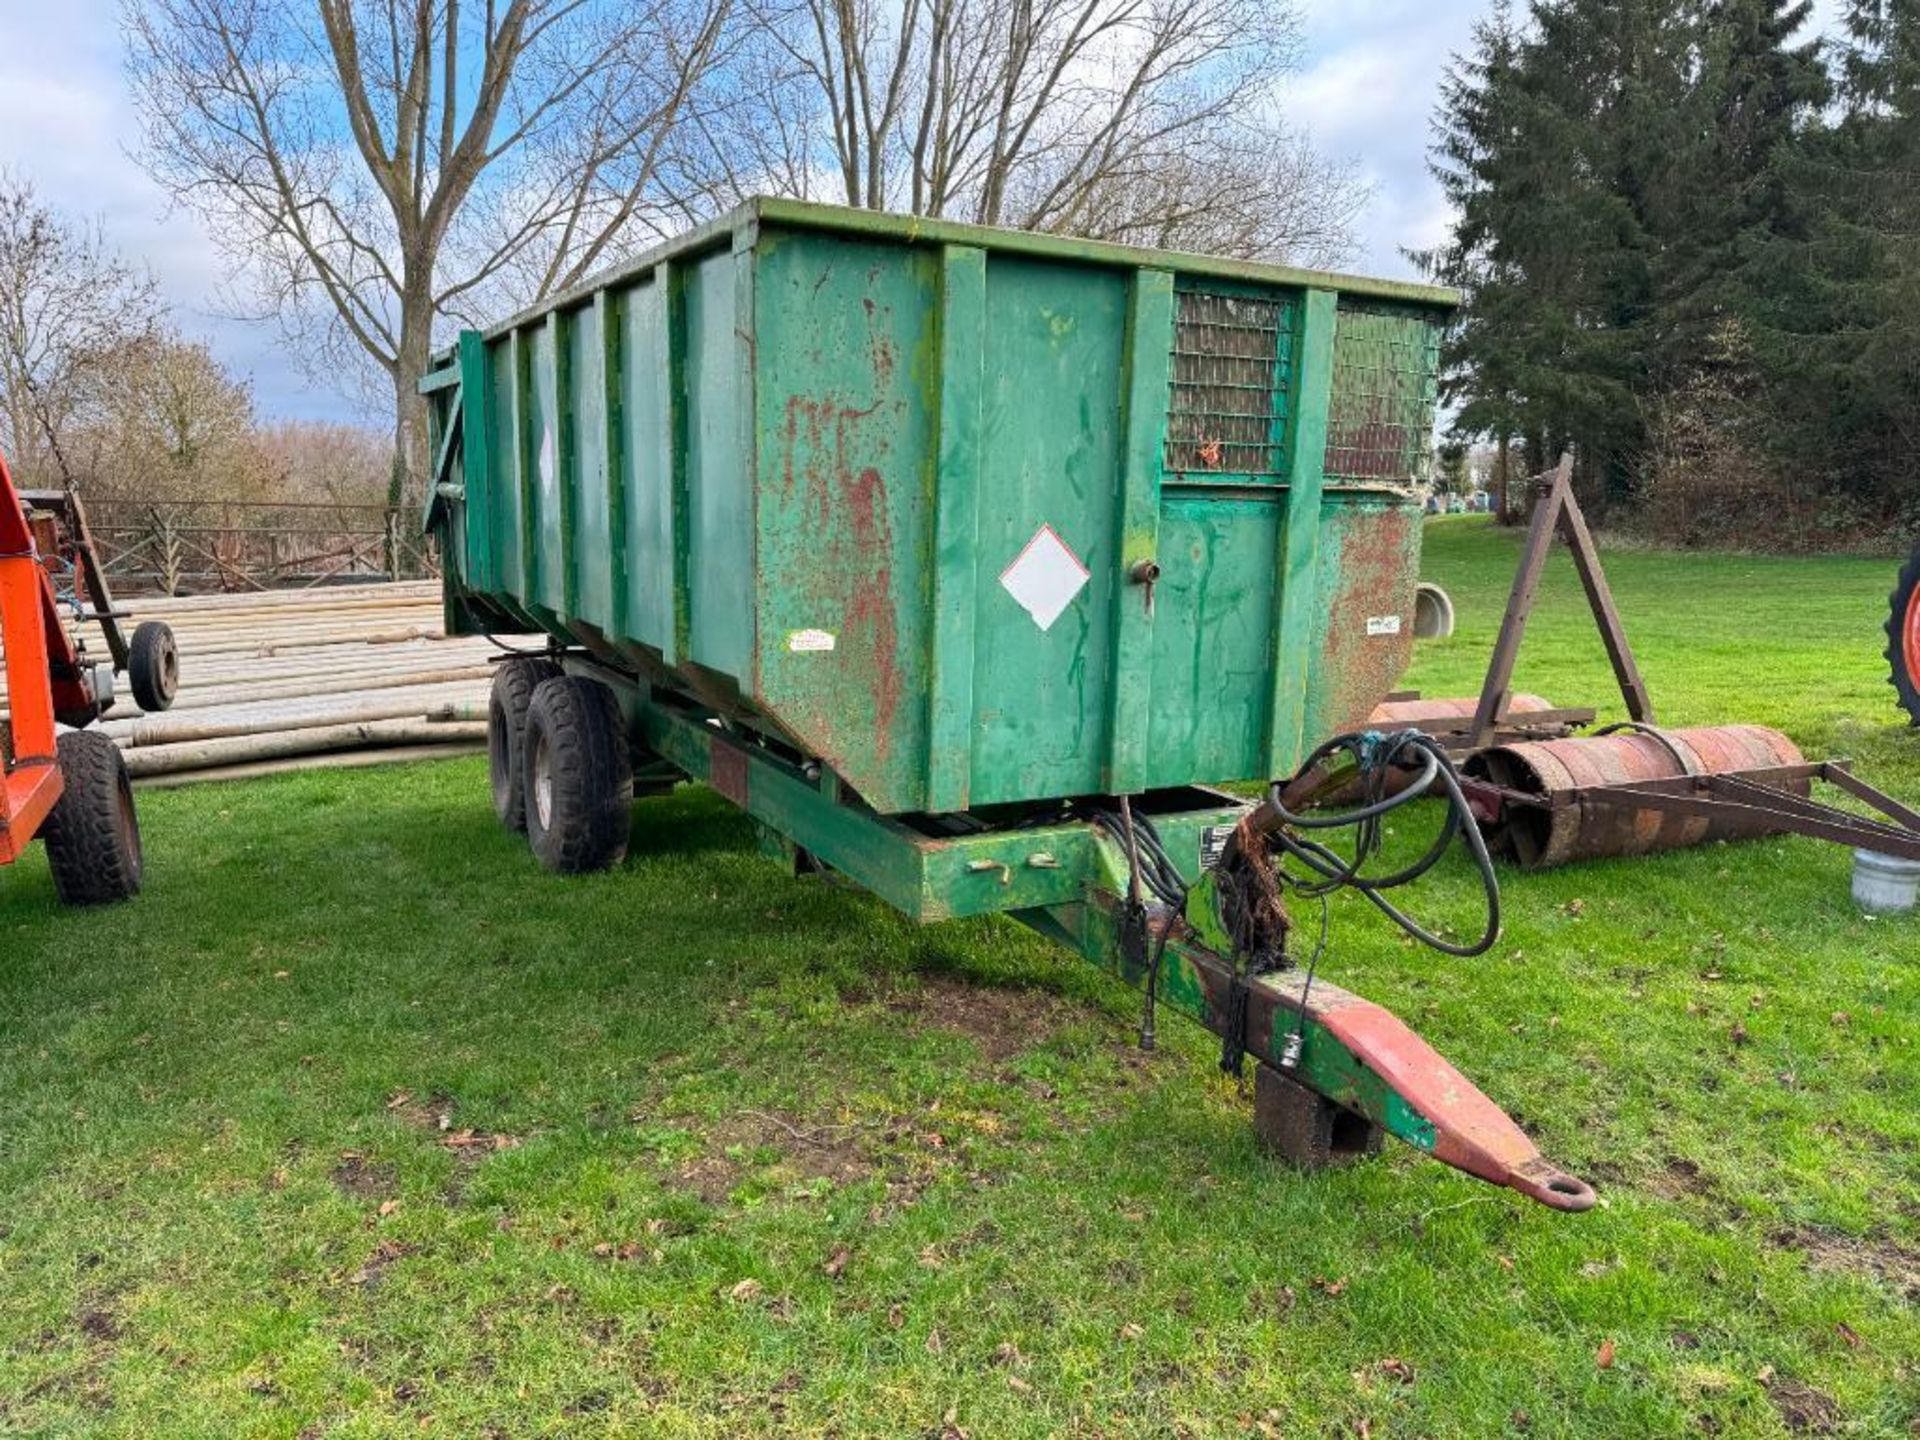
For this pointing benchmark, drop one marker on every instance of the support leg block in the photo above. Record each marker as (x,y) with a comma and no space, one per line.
(1305,1128)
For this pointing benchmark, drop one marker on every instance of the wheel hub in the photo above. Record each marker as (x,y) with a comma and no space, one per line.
(1910,637)
(543,781)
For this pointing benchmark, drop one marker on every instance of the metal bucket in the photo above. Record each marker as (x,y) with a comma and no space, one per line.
(1573,825)
(1885,884)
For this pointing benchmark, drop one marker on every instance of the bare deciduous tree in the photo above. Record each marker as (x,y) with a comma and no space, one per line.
(169,422)
(68,304)
(377,164)
(1141,120)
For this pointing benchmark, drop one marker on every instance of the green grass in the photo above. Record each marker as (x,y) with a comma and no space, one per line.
(725,1085)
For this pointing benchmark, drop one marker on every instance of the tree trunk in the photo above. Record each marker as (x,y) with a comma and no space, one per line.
(1502,471)
(410,459)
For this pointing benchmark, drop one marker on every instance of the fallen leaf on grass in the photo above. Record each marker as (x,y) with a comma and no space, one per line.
(1604,1357)
(387,1207)
(746,1290)
(1008,1353)
(1847,1333)
(1394,1368)
(1329,1288)
(1025,1387)
(399,1098)
(896,1316)
(1131,1331)
(935,1345)
(837,1262)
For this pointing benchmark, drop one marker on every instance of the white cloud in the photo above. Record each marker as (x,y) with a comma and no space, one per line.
(1373,72)
(66,124)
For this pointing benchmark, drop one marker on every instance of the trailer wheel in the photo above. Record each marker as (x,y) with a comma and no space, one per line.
(514,682)
(1306,1128)
(1903,638)
(153,666)
(578,780)
(92,833)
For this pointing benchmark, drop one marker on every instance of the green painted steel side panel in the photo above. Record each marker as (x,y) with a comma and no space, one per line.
(1362,637)
(1050,452)
(1213,627)
(585,448)
(846,333)
(647,464)
(789,464)
(540,437)
(719,473)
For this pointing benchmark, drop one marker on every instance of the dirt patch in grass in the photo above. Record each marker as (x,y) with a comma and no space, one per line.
(384,1254)
(1803,1409)
(362,1178)
(1003,1023)
(435,1113)
(1677,1179)
(811,1151)
(1875,1257)
(99,1325)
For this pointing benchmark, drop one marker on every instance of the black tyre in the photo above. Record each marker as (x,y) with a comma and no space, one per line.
(514,682)
(1903,638)
(92,834)
(579,776)
(153,666)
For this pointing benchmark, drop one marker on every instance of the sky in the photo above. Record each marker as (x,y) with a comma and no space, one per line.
(1372,70)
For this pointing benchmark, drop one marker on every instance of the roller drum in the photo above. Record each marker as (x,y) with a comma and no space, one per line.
(1573,826)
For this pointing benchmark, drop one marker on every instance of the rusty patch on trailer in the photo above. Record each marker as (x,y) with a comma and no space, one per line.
(1361,659)
(727,771)
(852,582)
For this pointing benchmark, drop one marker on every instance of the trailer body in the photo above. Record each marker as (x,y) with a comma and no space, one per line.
(975,517)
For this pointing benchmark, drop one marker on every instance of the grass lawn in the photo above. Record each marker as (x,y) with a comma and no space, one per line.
(357,1124)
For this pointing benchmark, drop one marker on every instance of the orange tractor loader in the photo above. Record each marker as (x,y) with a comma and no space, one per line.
(67,786)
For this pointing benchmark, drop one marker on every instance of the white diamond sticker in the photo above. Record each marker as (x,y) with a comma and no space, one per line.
(1045,577)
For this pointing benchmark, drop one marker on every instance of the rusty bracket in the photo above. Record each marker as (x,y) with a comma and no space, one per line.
(1556,512)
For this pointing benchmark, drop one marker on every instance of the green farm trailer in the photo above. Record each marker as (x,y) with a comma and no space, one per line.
(968,563)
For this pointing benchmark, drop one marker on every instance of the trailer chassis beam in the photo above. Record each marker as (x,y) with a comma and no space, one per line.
(1067,882)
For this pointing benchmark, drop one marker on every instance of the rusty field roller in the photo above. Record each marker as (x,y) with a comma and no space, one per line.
(1572,807)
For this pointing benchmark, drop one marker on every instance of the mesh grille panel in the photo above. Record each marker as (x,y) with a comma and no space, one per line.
(1386,363)
(1230,356)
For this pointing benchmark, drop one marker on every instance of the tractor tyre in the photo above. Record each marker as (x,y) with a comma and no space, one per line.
(514,682)
(92,833)
(578,781)
(1903,638)
(153,666)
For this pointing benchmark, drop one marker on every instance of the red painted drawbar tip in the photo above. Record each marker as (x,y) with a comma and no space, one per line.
(1471,1133)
